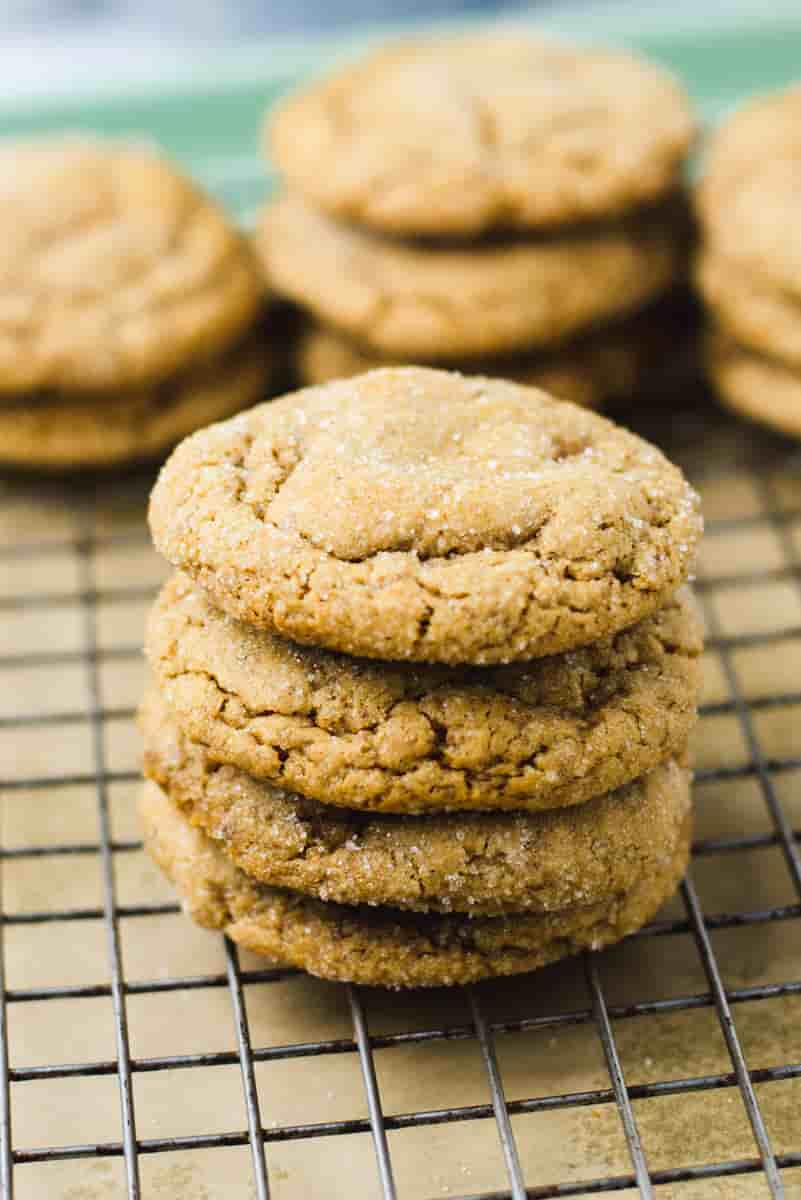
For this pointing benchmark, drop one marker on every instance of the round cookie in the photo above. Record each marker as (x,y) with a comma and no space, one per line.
(419,514)
(384,946)
(47,432)
(464,134)
(750,308)
(440,302)
(755,386)
(608,364)
(747,201)
(407,738)
(116,271)
(486,863)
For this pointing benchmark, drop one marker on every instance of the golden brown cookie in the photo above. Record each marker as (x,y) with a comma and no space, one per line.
(385,946)
(462,134)
(485,863)
(116,271)
(419,514)
(57,433)
(608,364)
(441,302)
(408,738)
(755,386)
(750,308)
(747,201)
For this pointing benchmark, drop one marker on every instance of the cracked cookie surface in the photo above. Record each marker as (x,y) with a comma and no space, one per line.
(116,271)
(441,301)
(50,432)
(485,863)
(459,135)
(419,514)
(409,738)
(384,946)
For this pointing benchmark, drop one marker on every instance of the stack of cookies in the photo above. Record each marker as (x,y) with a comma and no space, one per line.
(424,679)
(130,309)
(500,204)
(749,269)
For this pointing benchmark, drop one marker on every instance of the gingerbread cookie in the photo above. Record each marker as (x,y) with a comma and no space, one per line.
(758,387)
(58,432)
(116,270)
(463,134)
(750,310)
(438,302)
(485,863)
(407,738)
(384,946)
(750,271)
(419,514)
(608,364)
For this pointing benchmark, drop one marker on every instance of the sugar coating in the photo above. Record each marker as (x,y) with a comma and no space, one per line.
(485,863)
(281,515)
(115,270)
(407,738)
(385,946)
(463,134)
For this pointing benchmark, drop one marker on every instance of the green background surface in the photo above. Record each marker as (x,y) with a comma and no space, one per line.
(209,118)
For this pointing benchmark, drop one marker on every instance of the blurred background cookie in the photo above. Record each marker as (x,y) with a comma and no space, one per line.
(749,265)
(460,198)
(131,306)
(455,136)
(602,366)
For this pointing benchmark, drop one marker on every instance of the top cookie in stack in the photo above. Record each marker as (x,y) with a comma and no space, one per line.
(500,203)
(749,269)
(437,820)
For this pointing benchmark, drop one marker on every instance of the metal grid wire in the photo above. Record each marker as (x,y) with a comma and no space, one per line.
(600,1013)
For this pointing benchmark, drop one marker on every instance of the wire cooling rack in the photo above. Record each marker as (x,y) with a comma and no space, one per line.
(663,1067)
(142,1057)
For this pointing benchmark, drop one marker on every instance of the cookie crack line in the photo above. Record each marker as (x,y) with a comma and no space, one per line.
(601,674)
(601,529)
(482,863)
(550,154)
(511,782)
(528,545)
(403,738)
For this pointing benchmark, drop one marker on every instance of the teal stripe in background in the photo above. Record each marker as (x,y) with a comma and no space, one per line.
(210,122)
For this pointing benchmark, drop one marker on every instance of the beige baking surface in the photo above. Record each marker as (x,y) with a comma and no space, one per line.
(44,676)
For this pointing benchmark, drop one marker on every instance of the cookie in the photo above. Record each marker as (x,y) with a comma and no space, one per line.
(440,302)
(385,946)
(419,514)
(48,432)
(750,309)
(608,364)
(755,386)
(464,134)
(486,863)
(747,201)
(116,270)
(406,738)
